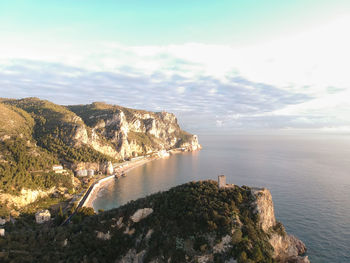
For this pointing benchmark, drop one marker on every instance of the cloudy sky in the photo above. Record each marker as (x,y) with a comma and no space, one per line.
(218,65)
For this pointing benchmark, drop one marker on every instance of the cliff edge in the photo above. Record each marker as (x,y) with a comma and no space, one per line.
(287,248)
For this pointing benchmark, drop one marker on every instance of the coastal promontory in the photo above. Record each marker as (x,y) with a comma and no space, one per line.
(193,222)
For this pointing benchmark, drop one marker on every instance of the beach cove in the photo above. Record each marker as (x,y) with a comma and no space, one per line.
(122,169)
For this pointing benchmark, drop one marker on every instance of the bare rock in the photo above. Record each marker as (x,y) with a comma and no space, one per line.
(263,205)
(223,245)
(141,214)
(132,257)
(287,247)
(103,236)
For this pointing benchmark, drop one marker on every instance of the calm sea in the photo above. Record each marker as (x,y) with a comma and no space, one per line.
(308,177)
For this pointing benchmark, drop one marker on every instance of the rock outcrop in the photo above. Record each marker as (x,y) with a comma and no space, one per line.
(103,236)
(287,248)
(141,214)
(263,205)
(27,196)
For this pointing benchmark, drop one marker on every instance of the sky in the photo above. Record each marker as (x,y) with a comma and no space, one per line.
(218,65)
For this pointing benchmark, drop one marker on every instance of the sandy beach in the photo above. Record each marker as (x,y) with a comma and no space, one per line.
(119,169)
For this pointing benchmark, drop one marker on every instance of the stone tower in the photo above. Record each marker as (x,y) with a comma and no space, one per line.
(222,181)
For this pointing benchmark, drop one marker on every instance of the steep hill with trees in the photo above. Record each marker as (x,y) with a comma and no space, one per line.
(194,222)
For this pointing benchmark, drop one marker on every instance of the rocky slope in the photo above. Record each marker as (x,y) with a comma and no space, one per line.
(194,222)
(129,132)
(106,130)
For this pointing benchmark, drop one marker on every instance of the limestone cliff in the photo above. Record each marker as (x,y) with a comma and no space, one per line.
(95,132)
(123,133)
(287,248)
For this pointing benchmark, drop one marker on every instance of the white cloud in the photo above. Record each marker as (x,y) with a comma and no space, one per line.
(307,63)
(180,90)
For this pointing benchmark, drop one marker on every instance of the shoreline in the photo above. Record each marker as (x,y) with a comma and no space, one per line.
(121,168)
(124,168)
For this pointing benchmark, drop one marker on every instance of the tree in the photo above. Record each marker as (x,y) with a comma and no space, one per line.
(257,254)
(243,257)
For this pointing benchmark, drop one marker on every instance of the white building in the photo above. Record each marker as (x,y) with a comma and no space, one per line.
(2,232)
(81,173)
(90,172)
(58,169)
(163,154)
(42,216)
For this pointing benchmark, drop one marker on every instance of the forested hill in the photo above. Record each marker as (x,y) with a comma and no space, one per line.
(194,222)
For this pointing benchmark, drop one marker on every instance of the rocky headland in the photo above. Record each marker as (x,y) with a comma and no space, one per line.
(194,222)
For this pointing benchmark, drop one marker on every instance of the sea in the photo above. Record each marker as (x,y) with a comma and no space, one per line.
(308,176)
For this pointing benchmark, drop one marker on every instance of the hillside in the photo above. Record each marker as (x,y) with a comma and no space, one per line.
(22,162)
(56,130)
(194,222)
(37,134)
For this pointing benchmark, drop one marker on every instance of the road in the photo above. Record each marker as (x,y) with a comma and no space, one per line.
(81,203)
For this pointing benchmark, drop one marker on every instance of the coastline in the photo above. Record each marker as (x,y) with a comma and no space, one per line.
(121,168)
(126,167)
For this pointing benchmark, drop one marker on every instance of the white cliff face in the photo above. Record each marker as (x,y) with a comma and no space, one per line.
(132,133)
(192,144)
(27,196)
(287,248)
(264,207)
(80,135)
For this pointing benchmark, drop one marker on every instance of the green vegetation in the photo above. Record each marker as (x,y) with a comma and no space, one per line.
(143,139)
(14,121)
(54,129)
(102,110)
(23,165)
(184,137)
(187,221)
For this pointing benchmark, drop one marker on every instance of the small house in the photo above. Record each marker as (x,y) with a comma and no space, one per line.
(58,169)
(90,172)
(81,173)
(2,232)
(42,216)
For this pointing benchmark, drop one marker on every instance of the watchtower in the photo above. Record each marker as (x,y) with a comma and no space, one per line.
(222,181)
